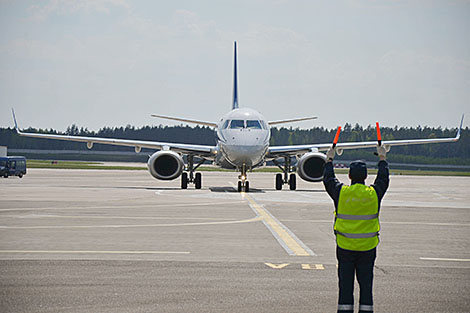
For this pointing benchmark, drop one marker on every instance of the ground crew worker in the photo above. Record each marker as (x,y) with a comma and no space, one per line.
(356,228)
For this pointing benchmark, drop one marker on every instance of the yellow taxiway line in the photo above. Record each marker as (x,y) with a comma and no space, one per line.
(293,245)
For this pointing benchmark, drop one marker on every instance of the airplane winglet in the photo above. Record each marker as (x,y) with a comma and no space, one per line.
(460,128)
(14,120)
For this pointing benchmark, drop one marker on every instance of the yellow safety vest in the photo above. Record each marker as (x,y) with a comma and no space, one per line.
(357,218)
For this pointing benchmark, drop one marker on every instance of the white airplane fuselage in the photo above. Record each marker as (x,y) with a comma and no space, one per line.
(242,138)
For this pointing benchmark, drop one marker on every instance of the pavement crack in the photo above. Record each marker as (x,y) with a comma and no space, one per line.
(382,270)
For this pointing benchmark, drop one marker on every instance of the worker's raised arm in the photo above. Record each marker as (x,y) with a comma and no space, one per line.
(332,184)
(382,180)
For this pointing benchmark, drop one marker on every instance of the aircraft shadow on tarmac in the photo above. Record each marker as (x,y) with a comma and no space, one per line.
(233,190)
(212,189)
(128,187)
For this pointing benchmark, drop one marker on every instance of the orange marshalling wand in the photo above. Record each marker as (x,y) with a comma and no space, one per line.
(379,137)
(335,141)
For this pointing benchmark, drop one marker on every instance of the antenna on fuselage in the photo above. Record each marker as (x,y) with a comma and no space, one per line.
(235,81)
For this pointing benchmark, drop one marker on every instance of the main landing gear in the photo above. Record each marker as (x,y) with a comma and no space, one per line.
(195,179)
(243,184)
(288,177)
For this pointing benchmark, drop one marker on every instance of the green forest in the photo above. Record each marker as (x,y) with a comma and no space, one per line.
(442,154)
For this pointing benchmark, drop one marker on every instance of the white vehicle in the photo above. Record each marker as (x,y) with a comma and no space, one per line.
(242,143)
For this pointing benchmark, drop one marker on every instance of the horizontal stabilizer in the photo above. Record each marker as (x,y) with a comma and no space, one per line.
(186,120)
(292,120)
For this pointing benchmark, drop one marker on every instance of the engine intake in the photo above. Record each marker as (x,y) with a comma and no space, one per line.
(310,166)
(165,165)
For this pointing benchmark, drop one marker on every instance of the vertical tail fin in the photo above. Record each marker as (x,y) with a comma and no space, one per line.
(14,119)
(235,80)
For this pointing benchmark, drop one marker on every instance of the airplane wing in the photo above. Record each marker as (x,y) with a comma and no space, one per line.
(276,151)
(292,120)
(200,150)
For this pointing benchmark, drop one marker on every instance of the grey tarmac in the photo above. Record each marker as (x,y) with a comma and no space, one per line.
(121,241)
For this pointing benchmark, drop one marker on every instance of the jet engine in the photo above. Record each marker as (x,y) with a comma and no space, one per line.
(310,166)
(165,165)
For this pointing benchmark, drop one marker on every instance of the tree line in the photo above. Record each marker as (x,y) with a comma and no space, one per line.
(446,153)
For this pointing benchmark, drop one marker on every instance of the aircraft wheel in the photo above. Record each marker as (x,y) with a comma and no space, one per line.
(184,181)
(292,182)
(198,181)
(278,181)
(247,186)
(239,186)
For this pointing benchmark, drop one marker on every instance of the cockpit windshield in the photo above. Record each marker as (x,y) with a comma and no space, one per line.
(237,124)
(253,124)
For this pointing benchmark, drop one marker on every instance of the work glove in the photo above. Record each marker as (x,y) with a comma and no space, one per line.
(330,154)
(381,151)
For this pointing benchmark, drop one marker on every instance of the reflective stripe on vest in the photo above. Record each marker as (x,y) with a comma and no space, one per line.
(365,307)
(357,224)
(358,236)
(345,307)
(357,217)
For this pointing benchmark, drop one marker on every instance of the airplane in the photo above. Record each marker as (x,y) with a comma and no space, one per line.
(242,144)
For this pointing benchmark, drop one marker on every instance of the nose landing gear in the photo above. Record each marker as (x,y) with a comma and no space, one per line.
(243,184)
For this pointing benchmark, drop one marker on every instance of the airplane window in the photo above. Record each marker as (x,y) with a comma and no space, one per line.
(237,124)
(253,125)
(225,124)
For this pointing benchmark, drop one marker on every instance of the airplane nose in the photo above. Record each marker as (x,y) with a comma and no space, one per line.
(244,147)
(240,154)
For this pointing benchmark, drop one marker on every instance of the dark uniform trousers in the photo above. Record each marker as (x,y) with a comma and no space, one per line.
(360,263)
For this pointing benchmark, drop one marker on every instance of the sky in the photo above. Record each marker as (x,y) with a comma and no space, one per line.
(112,63)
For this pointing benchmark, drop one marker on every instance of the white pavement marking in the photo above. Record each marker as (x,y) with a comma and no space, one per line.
(429,224)
(383,222)
(255,219)
(117,207)
(111,217)
(445,259)
(93,252)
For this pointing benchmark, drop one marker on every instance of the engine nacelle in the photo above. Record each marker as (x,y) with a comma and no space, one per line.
(310,166)
(165,165)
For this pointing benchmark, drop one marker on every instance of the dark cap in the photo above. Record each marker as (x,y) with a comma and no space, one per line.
(358,171)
